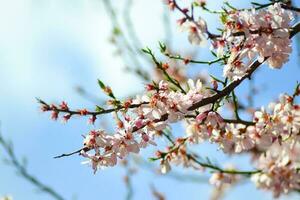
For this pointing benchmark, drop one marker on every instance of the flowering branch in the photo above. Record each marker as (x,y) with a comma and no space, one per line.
(163,50)
(176,147)
(249,39)
(63,108)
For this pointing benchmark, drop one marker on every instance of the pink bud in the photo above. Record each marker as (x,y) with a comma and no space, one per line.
(66,117)
(215,84)
(145,137)
(150,87)
(54,115)
(201,116)
(139,123)
(92,119)
(64,106)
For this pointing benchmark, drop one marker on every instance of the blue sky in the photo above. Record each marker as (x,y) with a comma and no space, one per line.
(47,48)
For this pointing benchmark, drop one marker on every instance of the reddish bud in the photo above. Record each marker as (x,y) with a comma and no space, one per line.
(54,115)
(45,108)
(186,61)
(92,119)
(171,5)
(127,103)
(193,29)
(221,43)
(202,3)
(158,154)
(238,63)
(185,10)
(66,117)
(64,106)
(145,137)
(120,124)
(180,140)
(139,123)
(181,21)
(107,90)
(150,87)
(289,99)
(53,107)
(201,117)
(83,112)
(215,84)
(165,66)
(239,26)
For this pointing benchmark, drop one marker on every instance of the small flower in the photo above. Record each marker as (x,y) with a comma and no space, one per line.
(54,115)
(92,119)
(64,106)
(165,166)
(201,117)
(218,179)
(165,66)
(66,117)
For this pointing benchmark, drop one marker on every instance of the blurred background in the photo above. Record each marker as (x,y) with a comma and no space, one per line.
(57,49)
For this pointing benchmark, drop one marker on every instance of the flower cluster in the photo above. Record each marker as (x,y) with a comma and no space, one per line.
(219,179)
(282,124)
(231,137)
(280,166)
(176,154)
(272,137)
(196,30)
(255,34)
(222,182)
(163,106)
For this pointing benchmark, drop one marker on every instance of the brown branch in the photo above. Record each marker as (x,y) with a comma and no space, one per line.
(228,89)
(72,153)
(294,30)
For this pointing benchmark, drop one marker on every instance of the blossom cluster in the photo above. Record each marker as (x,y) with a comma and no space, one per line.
(255,34)
(282,124)
(247,35)
(272,136)
(280,166)
(163,106)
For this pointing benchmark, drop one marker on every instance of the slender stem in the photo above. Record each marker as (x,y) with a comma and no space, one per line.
(236,106)
(204,164)
(210,166)
(159,66)
(178,57)
(168,137)
(93,113)
(191,19)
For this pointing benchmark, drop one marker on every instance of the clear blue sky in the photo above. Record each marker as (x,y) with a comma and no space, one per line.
(49,47)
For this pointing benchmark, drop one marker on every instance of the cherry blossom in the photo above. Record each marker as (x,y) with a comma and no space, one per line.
(251,34)
(271,135)
(280,166)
